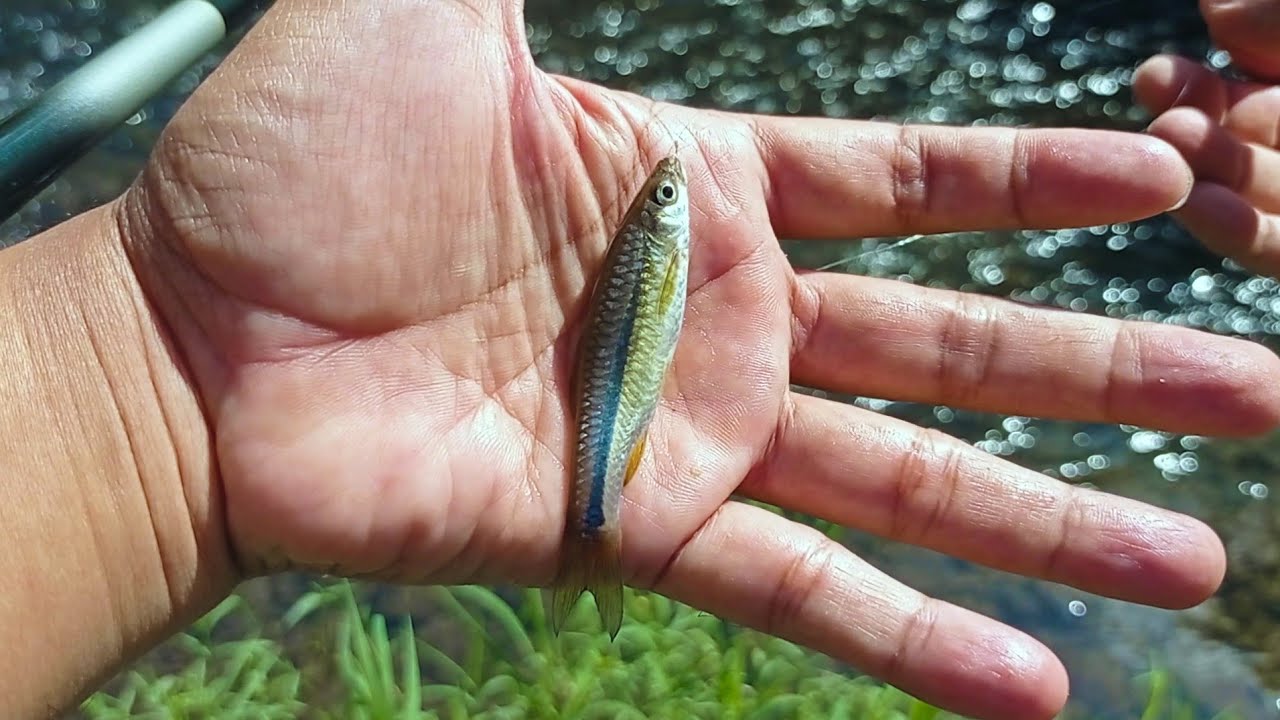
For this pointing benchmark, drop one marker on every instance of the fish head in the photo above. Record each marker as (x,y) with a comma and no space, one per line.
(666,203)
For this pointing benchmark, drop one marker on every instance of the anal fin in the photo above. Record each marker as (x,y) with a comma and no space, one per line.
(633,463)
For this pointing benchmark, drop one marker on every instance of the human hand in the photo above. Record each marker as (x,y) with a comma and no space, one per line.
(1248,30)
(1226,129)
(371,235)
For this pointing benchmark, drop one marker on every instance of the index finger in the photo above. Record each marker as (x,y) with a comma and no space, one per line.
(840,179)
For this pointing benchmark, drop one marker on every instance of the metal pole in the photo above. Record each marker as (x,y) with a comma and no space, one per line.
(58,127)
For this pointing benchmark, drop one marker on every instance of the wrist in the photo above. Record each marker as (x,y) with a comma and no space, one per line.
(109,468)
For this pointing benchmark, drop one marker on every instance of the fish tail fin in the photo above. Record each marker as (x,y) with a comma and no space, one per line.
(589,563)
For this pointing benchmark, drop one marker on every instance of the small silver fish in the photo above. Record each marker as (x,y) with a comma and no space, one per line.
(634,319)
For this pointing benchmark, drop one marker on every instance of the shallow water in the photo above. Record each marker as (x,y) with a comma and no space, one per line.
(979,61)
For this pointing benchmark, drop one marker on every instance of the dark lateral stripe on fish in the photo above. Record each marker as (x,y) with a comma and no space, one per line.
(611,394)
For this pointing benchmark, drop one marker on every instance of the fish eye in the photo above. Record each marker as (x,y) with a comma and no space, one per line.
(665,193)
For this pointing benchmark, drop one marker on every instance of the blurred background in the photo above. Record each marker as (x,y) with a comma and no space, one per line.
(300,646)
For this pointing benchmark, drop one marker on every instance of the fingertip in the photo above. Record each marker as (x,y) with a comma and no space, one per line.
(1210,384)
(1001,673)
(1241,386)
(1166,81)
(1186,132)
(1154,83)
(1201,567)
(1166,159)
(1180,123)
(1108,176)
(1210,150)
(1219,217)
(1045,682)
(1251,384)
(1230,226)
(1152,556)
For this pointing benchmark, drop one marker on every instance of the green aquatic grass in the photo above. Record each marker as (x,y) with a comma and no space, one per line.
(477,656)
(246,677)
(1166,701)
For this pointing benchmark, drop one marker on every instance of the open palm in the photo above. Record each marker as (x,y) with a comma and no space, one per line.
(372,234)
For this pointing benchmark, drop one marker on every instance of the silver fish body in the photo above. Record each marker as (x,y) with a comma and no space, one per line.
(626,347)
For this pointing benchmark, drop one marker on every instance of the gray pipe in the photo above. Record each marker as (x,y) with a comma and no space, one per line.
(63,123)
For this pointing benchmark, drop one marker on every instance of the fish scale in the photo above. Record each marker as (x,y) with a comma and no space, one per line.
(626,348)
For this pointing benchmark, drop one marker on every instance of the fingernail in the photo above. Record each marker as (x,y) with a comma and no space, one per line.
(1159,147)
(1185,196)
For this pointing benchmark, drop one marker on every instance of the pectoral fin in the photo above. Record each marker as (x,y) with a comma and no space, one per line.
(633,463)
(670,282)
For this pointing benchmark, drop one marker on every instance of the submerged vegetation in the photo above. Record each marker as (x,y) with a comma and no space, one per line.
(479,656)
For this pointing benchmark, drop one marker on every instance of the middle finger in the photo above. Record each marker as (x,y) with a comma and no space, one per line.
(889,339)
